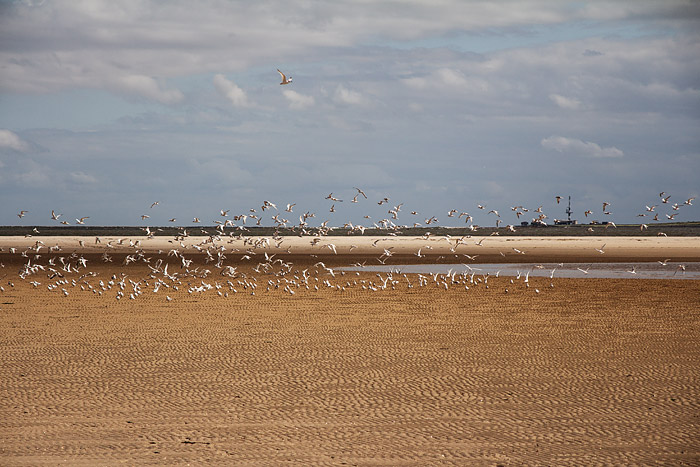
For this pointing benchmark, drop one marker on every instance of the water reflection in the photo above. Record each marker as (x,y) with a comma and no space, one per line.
(655,270)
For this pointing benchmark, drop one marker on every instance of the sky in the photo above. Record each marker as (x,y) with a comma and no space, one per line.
(109,106)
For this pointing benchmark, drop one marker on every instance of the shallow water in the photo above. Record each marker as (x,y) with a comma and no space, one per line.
(652,270)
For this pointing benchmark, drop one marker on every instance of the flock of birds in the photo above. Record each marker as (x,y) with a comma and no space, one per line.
(257,268)
(540,218)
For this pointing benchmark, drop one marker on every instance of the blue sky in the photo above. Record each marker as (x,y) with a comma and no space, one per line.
(106,107)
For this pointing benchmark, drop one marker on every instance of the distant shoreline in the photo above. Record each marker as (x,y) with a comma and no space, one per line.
(674,229)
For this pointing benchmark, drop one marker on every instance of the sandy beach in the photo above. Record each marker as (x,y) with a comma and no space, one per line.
(549,372)
(492,248)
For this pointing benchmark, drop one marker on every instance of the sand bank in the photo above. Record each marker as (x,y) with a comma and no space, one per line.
(492,248)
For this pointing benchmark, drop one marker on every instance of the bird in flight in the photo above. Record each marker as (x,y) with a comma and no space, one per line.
(285,80)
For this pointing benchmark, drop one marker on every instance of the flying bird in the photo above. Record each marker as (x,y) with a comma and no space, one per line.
(360,192)
(285,80)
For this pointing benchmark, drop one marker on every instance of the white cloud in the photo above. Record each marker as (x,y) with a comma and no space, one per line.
(231,91)
(82,178)
(346,96)
(10,140)
(298,101)
(148,87)
(579,147)
(569,103)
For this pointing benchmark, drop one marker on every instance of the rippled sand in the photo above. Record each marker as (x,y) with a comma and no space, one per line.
(589,371)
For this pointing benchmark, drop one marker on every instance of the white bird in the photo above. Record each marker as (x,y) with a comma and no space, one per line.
(601,249)
(360,192)
(55,216)
(21,214)
(82,220)
(285,79)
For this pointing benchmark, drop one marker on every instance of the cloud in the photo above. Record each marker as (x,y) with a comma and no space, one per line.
(231,91)
(66,44)
(578,147)
(298,101)
(82,178)
(565,102)
(346,96)
(148,87)
(11,140)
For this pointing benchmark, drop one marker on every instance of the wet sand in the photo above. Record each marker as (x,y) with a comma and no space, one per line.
(589,371)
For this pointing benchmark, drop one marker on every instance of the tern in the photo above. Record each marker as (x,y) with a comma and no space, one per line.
(285,79)
(360,192)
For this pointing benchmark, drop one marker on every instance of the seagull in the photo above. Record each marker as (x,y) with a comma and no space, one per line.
(82,220)
(601,249)
(55,216)
(21,214)
(290,206)
(558,199)
(360,192)
(285,80)
(155,203)
(605,205)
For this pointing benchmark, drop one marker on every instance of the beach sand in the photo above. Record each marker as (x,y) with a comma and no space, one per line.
(590,371)
(491,248)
